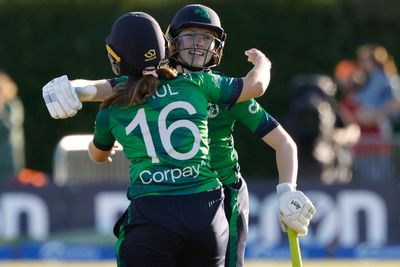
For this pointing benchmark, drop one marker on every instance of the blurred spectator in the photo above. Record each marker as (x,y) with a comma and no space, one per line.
(349,78)
(12,142)
(376,101)
(322,137)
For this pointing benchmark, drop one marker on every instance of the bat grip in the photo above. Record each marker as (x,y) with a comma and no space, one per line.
(294,248)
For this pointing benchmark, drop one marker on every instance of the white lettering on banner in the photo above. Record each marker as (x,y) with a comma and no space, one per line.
(326,218)
(334,220)
(108,206)
(148,177)
(13,205)
(354,202)
(268,210)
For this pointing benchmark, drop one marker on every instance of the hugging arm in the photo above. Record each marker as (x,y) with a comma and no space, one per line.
(63,98)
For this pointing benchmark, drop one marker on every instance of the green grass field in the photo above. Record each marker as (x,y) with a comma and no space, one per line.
(308,263)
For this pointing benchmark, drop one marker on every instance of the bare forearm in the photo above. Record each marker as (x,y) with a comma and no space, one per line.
(286,161)
(92,90)
(97,155)
(285,154)
(256,81)
(259,75)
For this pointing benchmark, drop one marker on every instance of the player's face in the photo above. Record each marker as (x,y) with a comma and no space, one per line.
(196,46)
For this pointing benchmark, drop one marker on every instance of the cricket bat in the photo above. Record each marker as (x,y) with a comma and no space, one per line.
(294,248)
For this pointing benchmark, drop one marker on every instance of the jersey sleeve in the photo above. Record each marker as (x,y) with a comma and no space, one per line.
(254,117)
(114,81)
(222,90)
(103,138)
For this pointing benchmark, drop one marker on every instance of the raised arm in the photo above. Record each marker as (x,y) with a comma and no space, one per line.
(256,81)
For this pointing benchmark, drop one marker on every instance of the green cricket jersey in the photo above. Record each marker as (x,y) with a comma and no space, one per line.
(224,158)
(166,138)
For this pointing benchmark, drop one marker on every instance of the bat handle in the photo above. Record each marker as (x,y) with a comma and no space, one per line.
(294,248)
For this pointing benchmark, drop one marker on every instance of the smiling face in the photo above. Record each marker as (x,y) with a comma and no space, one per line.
(196,46)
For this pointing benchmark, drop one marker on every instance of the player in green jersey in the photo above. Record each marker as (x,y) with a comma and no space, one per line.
(192,21)
(161,124)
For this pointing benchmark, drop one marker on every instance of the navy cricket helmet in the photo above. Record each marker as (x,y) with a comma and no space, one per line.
(136,42)
(196,16)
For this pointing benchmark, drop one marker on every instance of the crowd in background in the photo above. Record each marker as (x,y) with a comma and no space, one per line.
(344,124)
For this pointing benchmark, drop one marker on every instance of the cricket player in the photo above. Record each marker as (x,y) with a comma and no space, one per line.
(161,123)
(195,44)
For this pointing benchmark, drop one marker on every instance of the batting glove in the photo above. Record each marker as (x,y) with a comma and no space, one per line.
(295,209)
(61,99)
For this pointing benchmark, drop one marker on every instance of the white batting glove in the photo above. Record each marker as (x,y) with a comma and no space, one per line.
(295,209)
(61,99)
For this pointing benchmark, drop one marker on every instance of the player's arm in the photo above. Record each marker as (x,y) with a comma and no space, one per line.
(92,90)
(295,208)
(285,154)
(97,155)
(64,98)
(256,81)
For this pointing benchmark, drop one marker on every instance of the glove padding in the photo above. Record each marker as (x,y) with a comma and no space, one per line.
(296,211)
(61,99)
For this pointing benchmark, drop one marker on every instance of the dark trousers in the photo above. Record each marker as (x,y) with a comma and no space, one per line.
(188,230)
(237,212)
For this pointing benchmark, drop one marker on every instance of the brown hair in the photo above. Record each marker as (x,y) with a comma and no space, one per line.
(134,91)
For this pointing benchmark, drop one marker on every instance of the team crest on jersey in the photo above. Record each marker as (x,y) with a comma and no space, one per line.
(212,110)
(253,107)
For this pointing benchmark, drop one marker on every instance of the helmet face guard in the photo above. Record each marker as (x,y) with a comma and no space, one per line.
(195,16)
(197,58)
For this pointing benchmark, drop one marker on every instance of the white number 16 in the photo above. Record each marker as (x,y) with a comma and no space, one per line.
(166,132)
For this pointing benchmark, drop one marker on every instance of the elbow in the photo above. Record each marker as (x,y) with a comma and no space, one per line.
(289,147)
(294,147)
(97,158)
(97,155)
(260,87)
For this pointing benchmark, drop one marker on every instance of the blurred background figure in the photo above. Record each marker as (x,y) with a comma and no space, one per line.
(349,77)
(323,138)
(377,104)
(12,142)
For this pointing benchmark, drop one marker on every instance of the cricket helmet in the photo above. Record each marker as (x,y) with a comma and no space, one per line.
(136,42)
(196,16)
